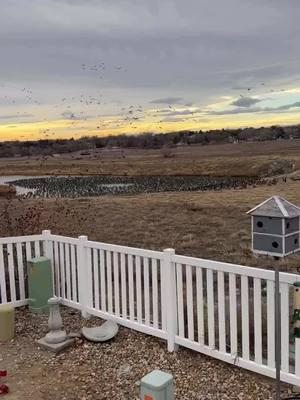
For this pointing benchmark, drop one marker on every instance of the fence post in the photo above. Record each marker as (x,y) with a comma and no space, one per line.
(46,244)
(83,285)
(46,234)
(170,299)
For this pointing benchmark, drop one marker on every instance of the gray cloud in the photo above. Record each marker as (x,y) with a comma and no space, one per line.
(240,88)
(173,119)
(16,116)
(70,115)
(169,50)
(289,106)
(283,108)
(181,112)
(168,100)
(245,102)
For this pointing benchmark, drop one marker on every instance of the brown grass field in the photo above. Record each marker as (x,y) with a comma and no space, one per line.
(223,159)
(204,224)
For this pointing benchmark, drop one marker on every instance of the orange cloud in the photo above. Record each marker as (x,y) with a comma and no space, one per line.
(115,125)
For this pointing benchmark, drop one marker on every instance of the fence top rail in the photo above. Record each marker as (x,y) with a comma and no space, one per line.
(20,239)
(64,239)
(195,262)
(235,269)
(125,249)
(109,247)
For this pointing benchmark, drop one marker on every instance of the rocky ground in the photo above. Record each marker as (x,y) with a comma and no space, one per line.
(110,370)
(7,191)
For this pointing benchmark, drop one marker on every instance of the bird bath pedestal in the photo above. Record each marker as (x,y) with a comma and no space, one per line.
(56,339)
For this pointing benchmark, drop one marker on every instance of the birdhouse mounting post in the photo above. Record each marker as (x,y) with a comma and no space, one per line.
(277,329)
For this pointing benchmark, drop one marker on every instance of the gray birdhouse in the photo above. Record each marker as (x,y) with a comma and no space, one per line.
(275,227)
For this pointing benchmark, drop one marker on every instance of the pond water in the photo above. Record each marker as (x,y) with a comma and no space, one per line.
(4,180)
(87,186)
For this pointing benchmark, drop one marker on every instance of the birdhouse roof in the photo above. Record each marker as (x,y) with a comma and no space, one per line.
(275,206)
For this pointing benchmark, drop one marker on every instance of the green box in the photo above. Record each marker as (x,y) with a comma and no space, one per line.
(40,287)
(157,385)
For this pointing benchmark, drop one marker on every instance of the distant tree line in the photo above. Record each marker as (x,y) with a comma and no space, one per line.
(50,147)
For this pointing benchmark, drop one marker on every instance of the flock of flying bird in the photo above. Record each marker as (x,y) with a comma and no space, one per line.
(248,89)
(127,115)
(89,105)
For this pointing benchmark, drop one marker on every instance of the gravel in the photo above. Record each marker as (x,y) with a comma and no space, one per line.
(110,370)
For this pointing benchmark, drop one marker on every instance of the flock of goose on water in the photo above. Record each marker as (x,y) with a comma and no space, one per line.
(88,186)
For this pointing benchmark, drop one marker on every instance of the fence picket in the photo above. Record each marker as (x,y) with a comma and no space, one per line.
(28,251)
(116,284)
(200,305)
(162,297)
(74,275)
(21,271)
(284,292)
(123,286)
(257,320)
(138,288)
(245,316)
(180,309)
(47,251)
(11,272)
(131,287)
(96,279)
(37,250)
(62,269)
(57,272)
(189,301)
(68,271)
(221,311)
(89,278)
(2,277)
(109,282)
(103,280)
(154,293)
(210,308)
(146,291)
(233,315)
(270,323)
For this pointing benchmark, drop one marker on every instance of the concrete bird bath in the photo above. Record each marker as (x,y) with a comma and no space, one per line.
(56,339)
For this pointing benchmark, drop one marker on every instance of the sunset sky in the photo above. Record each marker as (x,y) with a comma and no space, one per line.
(71,68)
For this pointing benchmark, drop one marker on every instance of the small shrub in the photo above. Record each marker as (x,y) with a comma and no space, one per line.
(167,152)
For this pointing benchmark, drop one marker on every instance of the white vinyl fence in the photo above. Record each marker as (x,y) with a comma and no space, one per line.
(14,253)
(222,310)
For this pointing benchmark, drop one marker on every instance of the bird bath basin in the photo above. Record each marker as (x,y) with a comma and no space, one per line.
(102,333)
